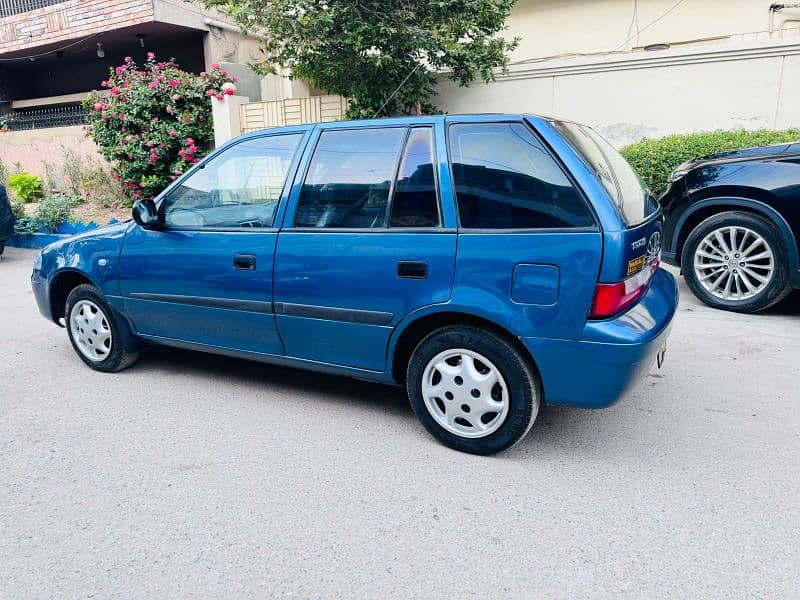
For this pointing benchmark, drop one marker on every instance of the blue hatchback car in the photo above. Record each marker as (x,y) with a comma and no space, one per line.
(487,263)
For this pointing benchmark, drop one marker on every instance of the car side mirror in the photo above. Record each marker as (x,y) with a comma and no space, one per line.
(145,214)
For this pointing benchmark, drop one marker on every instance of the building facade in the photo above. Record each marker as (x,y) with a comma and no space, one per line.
(53,52)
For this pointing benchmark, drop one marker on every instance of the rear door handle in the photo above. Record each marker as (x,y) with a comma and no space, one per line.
(412,269)
(244,262)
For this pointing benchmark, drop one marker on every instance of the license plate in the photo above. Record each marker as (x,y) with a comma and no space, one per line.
(662,352)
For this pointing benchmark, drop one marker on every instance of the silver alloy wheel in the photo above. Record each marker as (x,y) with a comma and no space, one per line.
(90,330)
(734,263)
(465,393)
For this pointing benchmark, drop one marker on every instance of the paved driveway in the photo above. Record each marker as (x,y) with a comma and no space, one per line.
(198,475)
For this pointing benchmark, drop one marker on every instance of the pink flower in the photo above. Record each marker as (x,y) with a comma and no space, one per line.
(121,117)
(169,110)
(224,73)
(229,92)
(128,59)
(152,85)
(182,153)
(98,106)
(234,79)
(176,97)
(215,67)
(202,73)
(220,97)
(151,56)
(153,158)
(104,84)
(172,133)
(120,70)
(189,141)
(173,83)
(209,93)
(160,78)
(104,118)
(115,91)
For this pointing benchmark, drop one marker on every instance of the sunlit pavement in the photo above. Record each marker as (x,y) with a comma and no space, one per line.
(191,474)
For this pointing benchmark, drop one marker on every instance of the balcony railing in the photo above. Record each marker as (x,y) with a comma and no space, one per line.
(9,8)
(43,118)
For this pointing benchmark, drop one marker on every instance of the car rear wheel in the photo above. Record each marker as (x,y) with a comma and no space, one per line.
(473,390)
(736,261)
(98,335)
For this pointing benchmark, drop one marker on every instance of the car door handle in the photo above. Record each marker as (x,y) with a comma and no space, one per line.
(412,269)
(244,262)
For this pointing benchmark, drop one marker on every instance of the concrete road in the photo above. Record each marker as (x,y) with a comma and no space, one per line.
(195,475)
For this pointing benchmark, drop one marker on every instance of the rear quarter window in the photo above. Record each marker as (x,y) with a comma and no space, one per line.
(632,198)
(506,179)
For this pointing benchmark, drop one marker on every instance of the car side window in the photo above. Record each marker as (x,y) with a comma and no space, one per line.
(240,187)
(415,202)
(506,179)
(349,178)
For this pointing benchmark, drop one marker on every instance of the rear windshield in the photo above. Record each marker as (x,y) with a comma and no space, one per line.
(634,200)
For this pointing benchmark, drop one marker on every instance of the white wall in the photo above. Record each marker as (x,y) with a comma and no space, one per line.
(650,94)
(554,27)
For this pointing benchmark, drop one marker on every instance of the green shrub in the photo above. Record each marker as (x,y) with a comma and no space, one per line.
(25,187)
(85,177)
(50,213)
(17,210)
(155,123)
(655,159)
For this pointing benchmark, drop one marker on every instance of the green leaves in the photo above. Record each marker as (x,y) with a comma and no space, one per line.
(155,121)
(25,187)
(655,159)
(364,50)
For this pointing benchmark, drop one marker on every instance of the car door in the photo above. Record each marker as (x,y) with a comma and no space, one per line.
(362,244)
(529,247)
(206,276)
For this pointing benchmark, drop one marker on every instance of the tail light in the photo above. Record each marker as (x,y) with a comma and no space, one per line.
(613,298)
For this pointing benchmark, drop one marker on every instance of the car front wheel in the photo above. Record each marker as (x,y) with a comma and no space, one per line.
(97,334)
(736,261)
(472,389)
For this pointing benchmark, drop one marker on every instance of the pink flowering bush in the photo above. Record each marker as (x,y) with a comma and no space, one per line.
(154,122)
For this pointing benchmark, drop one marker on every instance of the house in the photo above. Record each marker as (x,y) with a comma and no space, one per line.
(52,52)
(630,68)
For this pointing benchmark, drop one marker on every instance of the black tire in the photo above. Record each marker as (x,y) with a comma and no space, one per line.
(2,246)
(523,387)
(124,346)
(777,288)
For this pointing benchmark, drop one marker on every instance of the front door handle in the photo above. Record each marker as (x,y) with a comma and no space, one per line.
(244,262)
(412,269)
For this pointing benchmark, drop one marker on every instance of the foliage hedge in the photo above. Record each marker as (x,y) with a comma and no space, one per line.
(155,122)
(655,159)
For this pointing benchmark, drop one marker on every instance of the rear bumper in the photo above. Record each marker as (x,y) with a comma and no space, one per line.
(612,356)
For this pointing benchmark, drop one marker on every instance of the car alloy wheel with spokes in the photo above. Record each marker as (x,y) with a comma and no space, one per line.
(734,263)
(90,330)
(465,393)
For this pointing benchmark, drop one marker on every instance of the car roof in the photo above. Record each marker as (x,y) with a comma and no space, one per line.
(395,122)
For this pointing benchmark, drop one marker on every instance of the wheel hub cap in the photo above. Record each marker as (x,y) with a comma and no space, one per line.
(465,393)
(734,263)
(90,330)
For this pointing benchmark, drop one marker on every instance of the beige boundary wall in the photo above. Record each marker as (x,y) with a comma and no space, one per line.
(650,94)
(29,148)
